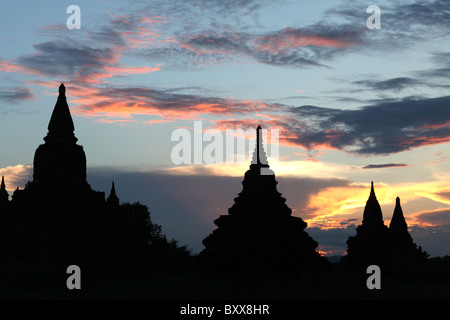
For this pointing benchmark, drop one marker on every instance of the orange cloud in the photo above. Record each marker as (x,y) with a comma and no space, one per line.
(154,121)
(332,205)
(119,121)
(432,218)
(290,38)
(94,101)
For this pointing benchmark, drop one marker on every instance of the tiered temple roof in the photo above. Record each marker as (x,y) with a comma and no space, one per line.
(259,229)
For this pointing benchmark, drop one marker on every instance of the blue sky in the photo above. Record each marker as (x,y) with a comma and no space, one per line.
(353,105)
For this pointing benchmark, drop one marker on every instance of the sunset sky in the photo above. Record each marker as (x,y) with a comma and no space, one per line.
(352,104)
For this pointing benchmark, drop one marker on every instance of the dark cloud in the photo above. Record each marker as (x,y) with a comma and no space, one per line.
(227,42)
(394,84)
(425,79)
(386,165)
(183,59)
(441,71)
(434,240)
(420,14)
(211,32)
(15,94)
(298,47)
(65,58)
(108,35)
(229,5)
(402,23)
(383,128)
(333,239)
(211,12)
(435,72)
(293,59)
(437,217)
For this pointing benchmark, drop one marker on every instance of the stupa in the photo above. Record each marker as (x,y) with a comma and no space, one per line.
(259,230)
(59,204)
(371,243)
(60,163)
(375,243)
(402,245)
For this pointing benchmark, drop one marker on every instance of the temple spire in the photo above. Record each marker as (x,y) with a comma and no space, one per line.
(372,212)
(60,127)
(113,200)
(398,220)
(62,90)
(259,155)
(113,189)
(3,193)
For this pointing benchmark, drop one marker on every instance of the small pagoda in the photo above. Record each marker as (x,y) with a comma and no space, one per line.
(375,243)
(259,230)
(402,244)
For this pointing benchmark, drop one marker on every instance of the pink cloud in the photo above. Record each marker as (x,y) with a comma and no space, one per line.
(7,66)
(291,38)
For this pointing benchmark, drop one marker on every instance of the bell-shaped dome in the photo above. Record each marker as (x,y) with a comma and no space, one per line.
(60,161)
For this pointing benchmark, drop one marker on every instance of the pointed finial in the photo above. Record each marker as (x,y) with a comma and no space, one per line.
(258,129)
(61,125)
(398,222)
(372,191)
(113,199)
(2,186)
(62,90)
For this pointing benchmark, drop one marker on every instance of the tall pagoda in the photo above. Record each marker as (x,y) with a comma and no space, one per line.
(370,245)
(259,230)
(59,204)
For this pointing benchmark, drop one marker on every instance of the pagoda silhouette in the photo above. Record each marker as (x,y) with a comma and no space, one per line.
(58,207)
(259,230)
(375,243)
